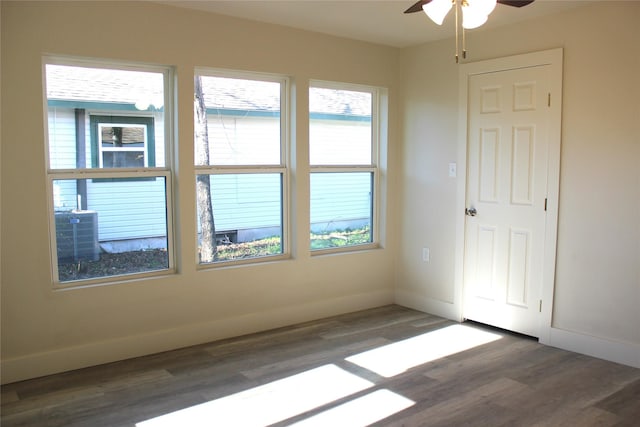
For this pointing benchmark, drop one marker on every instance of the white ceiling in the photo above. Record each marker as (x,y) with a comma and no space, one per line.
(377,21)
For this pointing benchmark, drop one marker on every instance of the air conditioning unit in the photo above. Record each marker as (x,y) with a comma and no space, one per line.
(77,236)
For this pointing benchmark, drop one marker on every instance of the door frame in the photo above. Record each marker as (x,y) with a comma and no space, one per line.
(552,58)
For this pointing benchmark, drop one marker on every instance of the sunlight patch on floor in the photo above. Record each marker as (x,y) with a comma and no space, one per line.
(396,358)
(360,412)
(269,403)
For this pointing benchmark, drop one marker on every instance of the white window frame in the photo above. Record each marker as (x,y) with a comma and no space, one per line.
(102,149)
(282,169)
(165,172)
(373,168)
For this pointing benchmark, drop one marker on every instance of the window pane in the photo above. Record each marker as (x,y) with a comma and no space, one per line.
(130,105)
(247,215)
(243,122)
(339,127)
(126,136)
(122,159)
(341,209)
(118,228)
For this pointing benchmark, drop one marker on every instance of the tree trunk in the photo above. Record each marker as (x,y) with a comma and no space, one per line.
(208,247)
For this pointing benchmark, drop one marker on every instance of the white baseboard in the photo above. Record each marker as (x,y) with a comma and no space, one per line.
(96,353)
(70,358)
(428,305)
(614,351)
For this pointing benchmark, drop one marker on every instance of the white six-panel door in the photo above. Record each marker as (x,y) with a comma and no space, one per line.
(506,190)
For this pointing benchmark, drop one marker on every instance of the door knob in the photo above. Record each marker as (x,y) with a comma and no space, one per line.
(470,212)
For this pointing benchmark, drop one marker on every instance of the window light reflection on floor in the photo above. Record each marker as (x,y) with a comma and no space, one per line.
(359,412)
(269,403)
(396,358)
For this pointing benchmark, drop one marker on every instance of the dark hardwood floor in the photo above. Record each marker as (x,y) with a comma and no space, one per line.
(389,366)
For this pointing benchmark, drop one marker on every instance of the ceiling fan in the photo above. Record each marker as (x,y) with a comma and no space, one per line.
(474,13)
(417,7)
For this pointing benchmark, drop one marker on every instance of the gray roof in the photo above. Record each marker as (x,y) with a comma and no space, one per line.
(71,83)
(102,85)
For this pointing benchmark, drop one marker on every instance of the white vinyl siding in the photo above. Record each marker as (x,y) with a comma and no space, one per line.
(329,138)
(244,139)
(353,195)
(62,138)
(240,202)
(246,201)
(133,209)
(138,213)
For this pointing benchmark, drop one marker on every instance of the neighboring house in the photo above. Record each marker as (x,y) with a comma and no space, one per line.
(107,131)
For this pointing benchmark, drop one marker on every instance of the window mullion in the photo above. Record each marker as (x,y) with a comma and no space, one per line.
(342,169)
(220,170)
(107,173)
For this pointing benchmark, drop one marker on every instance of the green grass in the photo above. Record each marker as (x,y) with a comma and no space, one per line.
(157,259)
(257,248)
(272,245)
(341,238)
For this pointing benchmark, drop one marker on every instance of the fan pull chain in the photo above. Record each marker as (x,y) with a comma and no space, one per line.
(464,45)
(456,7)
(463,3)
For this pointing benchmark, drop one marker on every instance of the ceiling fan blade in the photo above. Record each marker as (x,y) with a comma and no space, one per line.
(515,3)
(417,7)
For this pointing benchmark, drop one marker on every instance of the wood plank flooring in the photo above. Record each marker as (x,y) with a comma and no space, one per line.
(511,380)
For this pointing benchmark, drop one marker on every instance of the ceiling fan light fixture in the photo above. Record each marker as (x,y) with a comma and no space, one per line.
(483,7)
(436,10)
(476,12)
(471,21)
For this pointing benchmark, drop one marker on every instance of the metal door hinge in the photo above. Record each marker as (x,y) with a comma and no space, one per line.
(545,204)
(549,99)
(540,306)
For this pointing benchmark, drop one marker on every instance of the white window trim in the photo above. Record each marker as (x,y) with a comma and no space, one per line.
(283,168)
(165,171)
(374,168)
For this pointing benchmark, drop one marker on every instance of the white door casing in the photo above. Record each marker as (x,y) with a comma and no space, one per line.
(511,153)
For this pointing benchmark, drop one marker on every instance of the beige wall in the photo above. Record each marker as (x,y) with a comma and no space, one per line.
(598,276)
(597,289)
(45,331)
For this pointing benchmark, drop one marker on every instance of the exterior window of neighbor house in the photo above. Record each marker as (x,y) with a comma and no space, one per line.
(109,177)
(240,146)
(122,142)
(343,155)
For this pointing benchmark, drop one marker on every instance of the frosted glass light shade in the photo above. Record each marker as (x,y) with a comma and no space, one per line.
(476,12)
(483,7)
(470,21)
(436,10)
